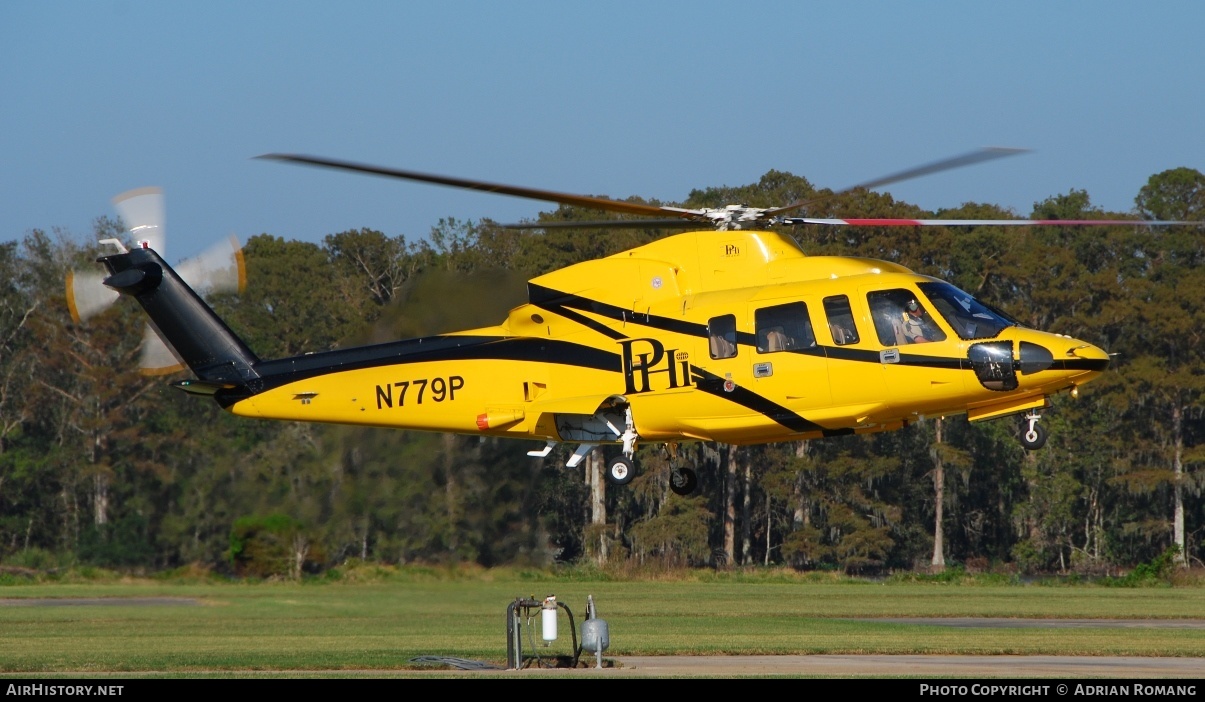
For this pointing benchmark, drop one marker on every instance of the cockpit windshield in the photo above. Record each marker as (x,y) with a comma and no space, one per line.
(970,318)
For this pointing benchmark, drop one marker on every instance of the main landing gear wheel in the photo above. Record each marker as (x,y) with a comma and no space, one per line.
(1033,435)
(683,481)
(621,470)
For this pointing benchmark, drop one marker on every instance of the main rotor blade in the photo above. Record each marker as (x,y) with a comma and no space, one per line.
(597,203)
(967,159)
(892,222)
(610,224)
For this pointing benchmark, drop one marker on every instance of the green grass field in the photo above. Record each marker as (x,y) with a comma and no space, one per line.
(383,619)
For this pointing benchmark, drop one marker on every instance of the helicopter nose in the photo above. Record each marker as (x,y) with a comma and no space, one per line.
(1085,356)
(1076,359)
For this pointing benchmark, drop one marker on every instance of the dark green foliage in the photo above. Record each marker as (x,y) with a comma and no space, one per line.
(1157,571)
(272,545)
(125,543)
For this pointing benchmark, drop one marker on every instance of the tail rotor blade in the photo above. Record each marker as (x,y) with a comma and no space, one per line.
(142,212)
(219,268)
(157,358)
(87,296)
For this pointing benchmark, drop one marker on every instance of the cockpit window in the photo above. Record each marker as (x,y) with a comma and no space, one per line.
(970,318)
(900,318)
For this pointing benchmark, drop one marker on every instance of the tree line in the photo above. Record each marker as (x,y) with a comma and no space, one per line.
(102,465)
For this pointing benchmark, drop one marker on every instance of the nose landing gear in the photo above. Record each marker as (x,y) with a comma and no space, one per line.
(1033,435)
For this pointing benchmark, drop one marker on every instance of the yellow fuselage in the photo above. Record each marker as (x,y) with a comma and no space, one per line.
(635,328)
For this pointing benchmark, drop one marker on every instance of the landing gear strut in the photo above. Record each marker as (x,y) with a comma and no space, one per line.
(1033,435)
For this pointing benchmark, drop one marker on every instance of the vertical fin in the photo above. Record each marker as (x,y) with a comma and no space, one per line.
(196,335)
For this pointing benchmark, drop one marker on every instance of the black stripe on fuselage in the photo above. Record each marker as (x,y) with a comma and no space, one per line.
(556,301)
(276,373)
(563,303)
(550,299)
(1082,364)
(583,320)
(713,384)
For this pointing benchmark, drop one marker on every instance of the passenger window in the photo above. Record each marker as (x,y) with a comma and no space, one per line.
(721,335)
(840,320)
(783,328)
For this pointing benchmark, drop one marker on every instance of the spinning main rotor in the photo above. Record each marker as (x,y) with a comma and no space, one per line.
(719,218)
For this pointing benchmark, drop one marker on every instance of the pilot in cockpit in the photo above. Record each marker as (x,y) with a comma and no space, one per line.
(916,328)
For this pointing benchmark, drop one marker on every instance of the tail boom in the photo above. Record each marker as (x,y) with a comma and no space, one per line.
(197,336)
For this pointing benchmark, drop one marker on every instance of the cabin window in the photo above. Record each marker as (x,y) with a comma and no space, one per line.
(970,318)
(721,335)
(783,328)
(901,317)
(840,320)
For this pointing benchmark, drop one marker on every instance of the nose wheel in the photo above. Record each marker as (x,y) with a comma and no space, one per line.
(621,470)
(1033,435)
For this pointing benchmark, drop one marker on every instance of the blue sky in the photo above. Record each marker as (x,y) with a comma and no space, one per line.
(604,98)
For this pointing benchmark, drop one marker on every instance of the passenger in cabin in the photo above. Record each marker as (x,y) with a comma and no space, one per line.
(721,332)
(721,347)
(776,340)
(916,329)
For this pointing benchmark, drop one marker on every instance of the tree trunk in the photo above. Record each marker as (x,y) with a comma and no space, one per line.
(939,491)
(730,505)
(799,515)
(1178,483)
(766,559)
(595,473)
(450,496)
(100,499)
(301,550)
(747,516)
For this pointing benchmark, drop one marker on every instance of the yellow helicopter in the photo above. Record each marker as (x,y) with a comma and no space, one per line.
(726,333)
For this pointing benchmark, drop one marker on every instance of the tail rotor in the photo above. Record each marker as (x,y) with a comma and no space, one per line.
(218,269)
